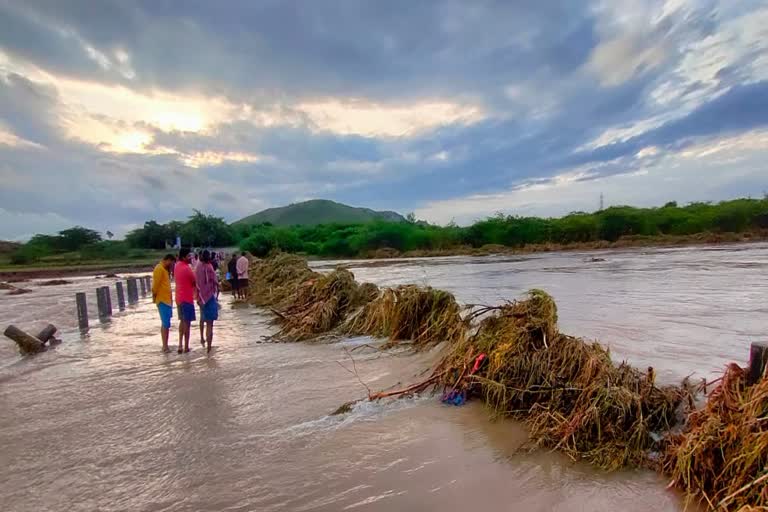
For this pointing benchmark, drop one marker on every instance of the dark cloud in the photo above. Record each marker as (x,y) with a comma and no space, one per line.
(28,107)
(32,39)
(528,64)
(368,48)
(154,183)
(742,108)
(298,144)
(225,197)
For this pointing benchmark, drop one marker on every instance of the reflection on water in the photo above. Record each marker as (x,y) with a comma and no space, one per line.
(107,422)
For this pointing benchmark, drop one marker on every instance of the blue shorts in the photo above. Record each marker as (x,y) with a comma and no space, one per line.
(166,312)
(186,312)
(209,311)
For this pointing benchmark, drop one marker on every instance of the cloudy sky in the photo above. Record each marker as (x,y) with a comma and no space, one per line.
(113,112)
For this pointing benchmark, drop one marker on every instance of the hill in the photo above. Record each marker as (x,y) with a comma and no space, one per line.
(319,211)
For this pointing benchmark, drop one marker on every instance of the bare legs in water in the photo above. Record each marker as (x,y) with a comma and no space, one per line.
(184,331)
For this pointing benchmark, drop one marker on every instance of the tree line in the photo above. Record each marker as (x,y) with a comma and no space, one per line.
(87,244)
(610,224)
(197,231)
(349,240)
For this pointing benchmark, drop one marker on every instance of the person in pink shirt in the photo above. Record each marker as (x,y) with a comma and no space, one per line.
(186,296)
(207,296)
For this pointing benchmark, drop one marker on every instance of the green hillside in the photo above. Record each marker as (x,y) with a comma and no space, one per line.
(318,211)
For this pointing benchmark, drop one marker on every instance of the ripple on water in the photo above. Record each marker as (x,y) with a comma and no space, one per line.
(106,422)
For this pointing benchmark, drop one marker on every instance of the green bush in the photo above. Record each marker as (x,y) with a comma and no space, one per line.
(27,254)
(348,240)
(107,250)
(259,244)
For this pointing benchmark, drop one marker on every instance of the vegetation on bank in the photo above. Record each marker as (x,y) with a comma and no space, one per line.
(611,227)
(608,226)
(73,247)
(198,230)
(79,245)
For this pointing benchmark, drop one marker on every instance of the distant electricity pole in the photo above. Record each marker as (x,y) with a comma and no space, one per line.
(601,201)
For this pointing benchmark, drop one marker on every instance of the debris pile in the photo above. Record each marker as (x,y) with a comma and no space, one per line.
(321,304)
(55,282)
(275,280)
(721,458)
(568,391)
(424,316)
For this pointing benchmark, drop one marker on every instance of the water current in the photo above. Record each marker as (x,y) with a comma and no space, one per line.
(104,421)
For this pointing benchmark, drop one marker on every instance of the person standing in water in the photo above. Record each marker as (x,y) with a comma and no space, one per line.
(242,275)
(161,295)
(207,296)
(186,295)
(232,272)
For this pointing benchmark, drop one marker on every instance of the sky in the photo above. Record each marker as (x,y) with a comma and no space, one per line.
(113,112)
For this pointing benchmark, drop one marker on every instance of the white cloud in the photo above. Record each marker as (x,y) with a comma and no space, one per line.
(362,117)
(624,57)
(712,169)
(741,41)
(213,158)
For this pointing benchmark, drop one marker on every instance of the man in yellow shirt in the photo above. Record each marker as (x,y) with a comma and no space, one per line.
(161,295)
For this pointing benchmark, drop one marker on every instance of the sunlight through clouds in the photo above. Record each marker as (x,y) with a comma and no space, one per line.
(452,109)
(360,117)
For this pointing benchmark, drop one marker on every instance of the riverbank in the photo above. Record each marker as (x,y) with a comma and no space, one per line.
(24,273)
(16,273)
(628,242)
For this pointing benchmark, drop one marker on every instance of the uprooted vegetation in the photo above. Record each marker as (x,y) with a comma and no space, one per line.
(425,316)
(569,392)
(275,281)
(721,458)
(321,304)
(309,305)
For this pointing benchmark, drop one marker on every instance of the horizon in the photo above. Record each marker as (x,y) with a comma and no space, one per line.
(402,214)
(119,112)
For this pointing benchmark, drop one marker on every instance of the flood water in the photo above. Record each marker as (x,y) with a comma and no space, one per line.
(106,422)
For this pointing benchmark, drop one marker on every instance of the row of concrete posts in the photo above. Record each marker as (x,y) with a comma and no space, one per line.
(134,286)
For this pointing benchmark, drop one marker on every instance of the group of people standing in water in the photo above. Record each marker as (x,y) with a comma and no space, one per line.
(196,282)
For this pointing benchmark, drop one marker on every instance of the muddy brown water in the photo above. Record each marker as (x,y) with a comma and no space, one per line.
(106,422)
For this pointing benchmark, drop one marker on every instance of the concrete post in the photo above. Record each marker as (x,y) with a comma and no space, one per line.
(143,285)
(133,294)
(108,300)
(82,310)
(120,295)
(101,303)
